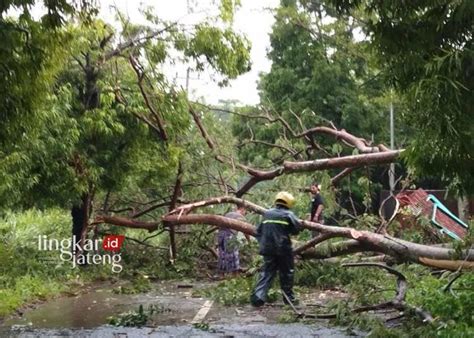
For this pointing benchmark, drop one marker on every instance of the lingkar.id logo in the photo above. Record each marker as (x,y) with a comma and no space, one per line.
(88,250)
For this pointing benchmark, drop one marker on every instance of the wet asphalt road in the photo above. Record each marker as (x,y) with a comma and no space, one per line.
(85,315)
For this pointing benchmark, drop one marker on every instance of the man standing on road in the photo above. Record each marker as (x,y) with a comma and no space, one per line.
(273,235)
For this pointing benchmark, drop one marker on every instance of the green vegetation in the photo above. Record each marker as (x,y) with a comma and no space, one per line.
(139,284)
(236,291)
(204,327)
(426,51)
(368,286)
(27,274)
(452,312)
(139,318)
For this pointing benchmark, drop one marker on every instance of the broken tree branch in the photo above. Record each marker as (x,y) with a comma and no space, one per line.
(219,221)
(186,208)
(312,242)
(399,301)
(363,240)
(448,286)
(336,179)
(343,162)
(357,142)
(136,42)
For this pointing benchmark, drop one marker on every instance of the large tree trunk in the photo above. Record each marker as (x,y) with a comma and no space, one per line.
(463,208)
(361,241)
(174,201)
(357,241)
(344,162)
(90,98)
(80,217)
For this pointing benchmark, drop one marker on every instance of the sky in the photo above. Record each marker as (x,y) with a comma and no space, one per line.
(254,19)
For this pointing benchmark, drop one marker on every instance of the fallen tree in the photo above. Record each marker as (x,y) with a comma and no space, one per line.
(361,241)
(332,241)
(318,248)
(398,303)
(357,240)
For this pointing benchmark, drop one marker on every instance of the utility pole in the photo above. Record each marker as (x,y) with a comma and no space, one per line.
(391,173)
(187,81)
(188,9)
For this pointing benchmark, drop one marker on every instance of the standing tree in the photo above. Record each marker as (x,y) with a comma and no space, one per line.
(427,52)
(114,121)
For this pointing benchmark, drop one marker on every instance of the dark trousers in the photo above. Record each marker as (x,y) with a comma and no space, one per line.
(316,233)
(271,264)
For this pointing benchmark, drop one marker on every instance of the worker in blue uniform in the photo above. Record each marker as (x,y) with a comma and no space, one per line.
(273,235)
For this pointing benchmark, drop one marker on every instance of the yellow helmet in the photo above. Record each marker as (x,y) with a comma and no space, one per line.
(285,198)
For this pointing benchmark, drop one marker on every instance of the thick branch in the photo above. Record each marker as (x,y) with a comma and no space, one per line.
(344,162)
(400,249)
(342,248)
(375,155)
(357,142)
(186,208)
(219,221)
(135,42)
(364,240)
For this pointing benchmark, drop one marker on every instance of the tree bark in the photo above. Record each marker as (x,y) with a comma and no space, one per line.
(80,217)
(219,221)
(354,141)
(174,200)
(463,208)
(186,208)
(344,162)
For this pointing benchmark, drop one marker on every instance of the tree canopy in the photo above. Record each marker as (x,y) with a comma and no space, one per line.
(112,119)
(426,50)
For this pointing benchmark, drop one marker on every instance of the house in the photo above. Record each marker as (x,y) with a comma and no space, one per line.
(419,202)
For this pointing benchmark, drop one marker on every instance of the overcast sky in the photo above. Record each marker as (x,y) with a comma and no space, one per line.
(253,18)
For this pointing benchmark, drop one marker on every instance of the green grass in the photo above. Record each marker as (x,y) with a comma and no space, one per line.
(27,274)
